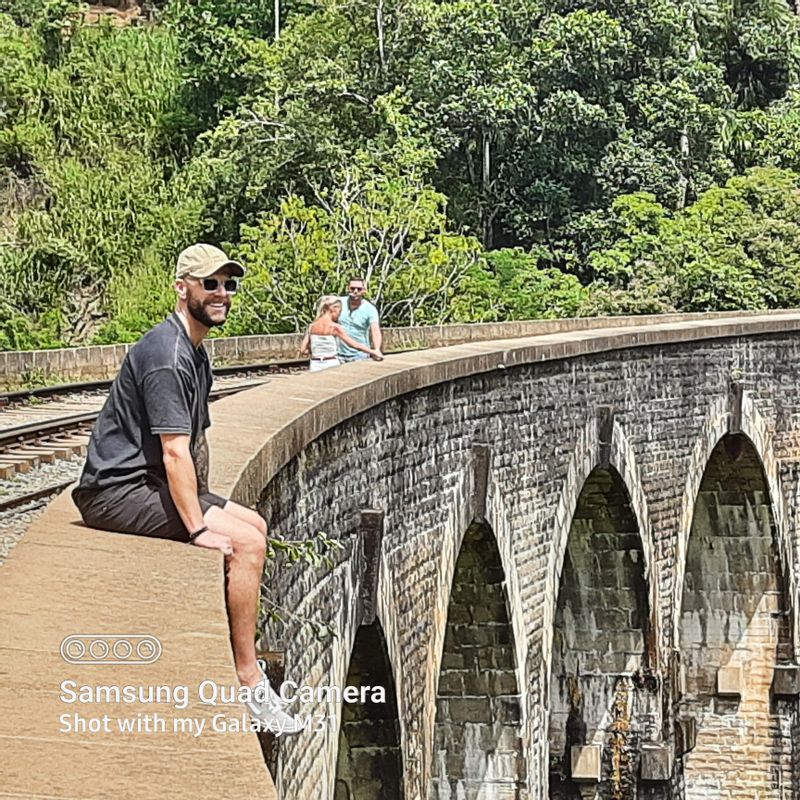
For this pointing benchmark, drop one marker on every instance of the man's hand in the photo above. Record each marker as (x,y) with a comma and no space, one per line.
(214,541)
(376,336)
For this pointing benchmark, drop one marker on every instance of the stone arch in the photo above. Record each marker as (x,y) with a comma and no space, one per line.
(459,518)
(623,460)
(585,458)
(497,517)
(604,699)
(755,428)
(477,743)
(369,761)
(734,631)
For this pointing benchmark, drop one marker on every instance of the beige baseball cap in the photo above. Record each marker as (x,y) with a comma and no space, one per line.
(203,260)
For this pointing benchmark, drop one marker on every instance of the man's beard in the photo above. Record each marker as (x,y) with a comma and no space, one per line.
(198,310)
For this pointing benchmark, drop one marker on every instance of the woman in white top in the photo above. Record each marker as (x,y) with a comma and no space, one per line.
(320,338)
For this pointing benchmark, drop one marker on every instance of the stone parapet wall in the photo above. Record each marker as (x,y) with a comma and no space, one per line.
(101,362)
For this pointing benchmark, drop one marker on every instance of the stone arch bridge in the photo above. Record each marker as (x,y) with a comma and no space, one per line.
(569,559)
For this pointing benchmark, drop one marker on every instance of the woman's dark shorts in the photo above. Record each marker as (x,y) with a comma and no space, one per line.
(145,510)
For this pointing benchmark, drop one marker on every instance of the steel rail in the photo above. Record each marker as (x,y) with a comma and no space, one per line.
(9,504)
(19,395)
(33,431)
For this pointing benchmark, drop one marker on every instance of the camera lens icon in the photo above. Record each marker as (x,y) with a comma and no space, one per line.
(108,648)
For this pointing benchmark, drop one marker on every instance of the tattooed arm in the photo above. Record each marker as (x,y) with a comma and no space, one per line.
(201,462)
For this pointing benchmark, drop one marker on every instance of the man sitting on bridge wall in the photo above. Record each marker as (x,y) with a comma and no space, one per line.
(146,470)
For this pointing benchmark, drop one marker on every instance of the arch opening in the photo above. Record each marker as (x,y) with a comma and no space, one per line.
(604,698)
(369,763)
(734,631)
(477,745)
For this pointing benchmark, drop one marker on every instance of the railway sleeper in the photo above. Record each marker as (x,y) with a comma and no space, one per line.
(22,455)
(45,454)
(21,462)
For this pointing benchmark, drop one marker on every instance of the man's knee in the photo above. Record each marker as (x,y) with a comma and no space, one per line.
(247,515)
(251,543)
(254,520)
(260,524)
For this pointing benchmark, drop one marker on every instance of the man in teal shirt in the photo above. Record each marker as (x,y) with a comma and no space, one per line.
(360,320)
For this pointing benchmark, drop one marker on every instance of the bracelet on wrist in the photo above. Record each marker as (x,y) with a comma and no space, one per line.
(193,536)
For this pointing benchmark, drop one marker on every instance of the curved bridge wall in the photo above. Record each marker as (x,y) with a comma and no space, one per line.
(649,405)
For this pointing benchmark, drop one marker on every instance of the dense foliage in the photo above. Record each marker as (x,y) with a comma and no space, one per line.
(474,160)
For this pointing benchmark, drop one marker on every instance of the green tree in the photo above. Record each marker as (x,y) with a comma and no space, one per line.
(86,156)
(378,219)
(737,247)
(512,284)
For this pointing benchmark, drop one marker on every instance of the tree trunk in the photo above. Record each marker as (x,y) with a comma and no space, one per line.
(381,38)
(685,181)
(486,180)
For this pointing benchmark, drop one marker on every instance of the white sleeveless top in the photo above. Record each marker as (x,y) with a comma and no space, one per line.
(323,346)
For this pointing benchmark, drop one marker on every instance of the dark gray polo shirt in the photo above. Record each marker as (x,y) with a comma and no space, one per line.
(162,387)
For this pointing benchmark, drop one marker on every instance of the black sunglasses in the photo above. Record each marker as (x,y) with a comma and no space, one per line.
(231,285)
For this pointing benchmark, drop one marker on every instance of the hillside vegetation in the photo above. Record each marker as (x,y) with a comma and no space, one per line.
(475,160)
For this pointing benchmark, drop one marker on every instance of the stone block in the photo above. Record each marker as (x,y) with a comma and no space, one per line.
(507,710)
(730,680)
(685,735)
(677,671)
(655,763)
(786,681)
(451,683)
(470,709)
(585,762)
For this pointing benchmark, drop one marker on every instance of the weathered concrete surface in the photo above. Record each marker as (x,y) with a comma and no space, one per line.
(64,579)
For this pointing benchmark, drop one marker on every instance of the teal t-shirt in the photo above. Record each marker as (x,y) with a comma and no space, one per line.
(356,324)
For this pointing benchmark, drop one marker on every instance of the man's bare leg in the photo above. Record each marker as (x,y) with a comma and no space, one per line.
(247,515)
(244,570)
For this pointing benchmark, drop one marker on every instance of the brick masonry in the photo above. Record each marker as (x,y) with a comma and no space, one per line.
(369,764)
(651,414)
(477,747)
(602,687)
(734,618)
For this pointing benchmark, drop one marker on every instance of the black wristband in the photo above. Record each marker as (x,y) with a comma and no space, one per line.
(193,536)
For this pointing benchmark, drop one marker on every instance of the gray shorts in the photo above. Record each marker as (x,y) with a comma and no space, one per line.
(145,510)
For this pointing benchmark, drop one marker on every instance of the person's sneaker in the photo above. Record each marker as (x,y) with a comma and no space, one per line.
(270,710)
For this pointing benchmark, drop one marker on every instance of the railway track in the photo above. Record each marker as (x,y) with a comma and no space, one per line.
(51,424)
